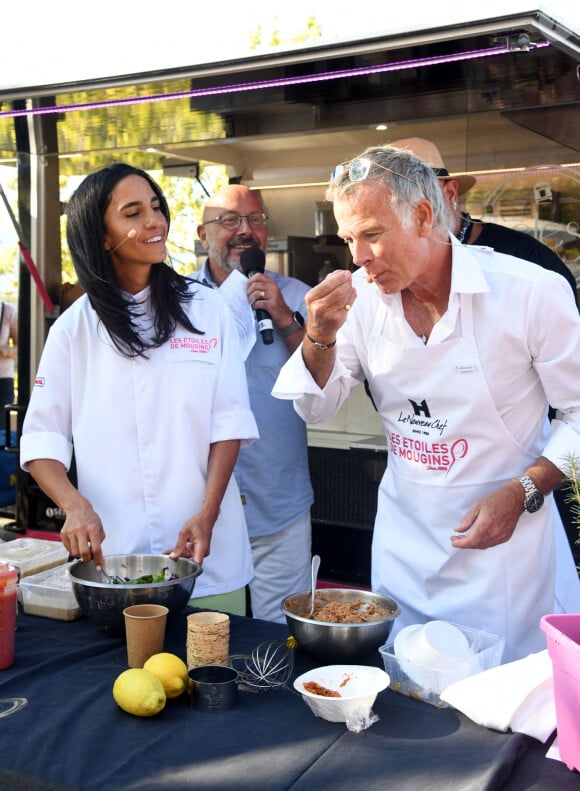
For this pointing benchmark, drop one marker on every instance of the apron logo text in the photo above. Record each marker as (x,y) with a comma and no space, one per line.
(421,408)
(436,456)
(426,421)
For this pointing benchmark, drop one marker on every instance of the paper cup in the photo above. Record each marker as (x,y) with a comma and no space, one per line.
(145,631)
(208,639)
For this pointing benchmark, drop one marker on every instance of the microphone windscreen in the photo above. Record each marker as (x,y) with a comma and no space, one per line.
(132,234)
(252,260)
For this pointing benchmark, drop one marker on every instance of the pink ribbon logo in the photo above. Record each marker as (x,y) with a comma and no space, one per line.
(458,451)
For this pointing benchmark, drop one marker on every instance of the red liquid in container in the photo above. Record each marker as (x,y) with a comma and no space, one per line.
(8,590)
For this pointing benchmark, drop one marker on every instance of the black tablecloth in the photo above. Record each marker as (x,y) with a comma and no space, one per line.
(69,731)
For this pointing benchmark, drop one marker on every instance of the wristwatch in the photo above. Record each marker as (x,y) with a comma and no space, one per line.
(533,497)
(297,324)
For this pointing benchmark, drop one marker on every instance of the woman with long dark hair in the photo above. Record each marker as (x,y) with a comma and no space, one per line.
(142,378)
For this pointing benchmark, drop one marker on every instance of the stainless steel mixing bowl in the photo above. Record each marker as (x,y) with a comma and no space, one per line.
(103,602)
(339,642)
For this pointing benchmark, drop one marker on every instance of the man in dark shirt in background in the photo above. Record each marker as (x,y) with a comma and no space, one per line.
(487,234)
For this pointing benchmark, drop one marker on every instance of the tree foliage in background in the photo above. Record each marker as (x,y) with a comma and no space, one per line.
(136,134)
(186,198)
(9,252)
(274,38)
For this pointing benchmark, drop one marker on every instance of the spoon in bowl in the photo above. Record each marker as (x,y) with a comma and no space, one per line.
(314,571)
(103,572)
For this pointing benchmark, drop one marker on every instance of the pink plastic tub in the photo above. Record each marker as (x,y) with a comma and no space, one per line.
(563,637)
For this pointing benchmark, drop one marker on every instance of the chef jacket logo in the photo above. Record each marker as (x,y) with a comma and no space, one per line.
(39,381)
(193,344)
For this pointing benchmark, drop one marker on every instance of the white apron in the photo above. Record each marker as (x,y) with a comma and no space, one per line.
(448,447)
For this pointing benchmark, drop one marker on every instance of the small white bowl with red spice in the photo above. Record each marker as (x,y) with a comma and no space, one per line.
(342,693)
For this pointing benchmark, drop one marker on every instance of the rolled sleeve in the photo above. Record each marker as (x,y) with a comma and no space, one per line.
(45,445)
(237,423)
(46,432)
(555,350)
(232,417)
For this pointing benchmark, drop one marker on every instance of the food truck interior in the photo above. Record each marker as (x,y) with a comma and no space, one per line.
(499,97)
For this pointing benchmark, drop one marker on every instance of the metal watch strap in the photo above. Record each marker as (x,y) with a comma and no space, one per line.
(528,485)
(297,324)
(533,497)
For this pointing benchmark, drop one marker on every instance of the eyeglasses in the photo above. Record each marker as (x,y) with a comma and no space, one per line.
(232,220)
(359,169)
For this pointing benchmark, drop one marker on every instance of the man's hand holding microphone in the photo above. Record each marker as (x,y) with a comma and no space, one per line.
(266,299)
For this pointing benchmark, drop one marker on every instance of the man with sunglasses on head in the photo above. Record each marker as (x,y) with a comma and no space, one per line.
(462,348)
(503,239)
(274,478)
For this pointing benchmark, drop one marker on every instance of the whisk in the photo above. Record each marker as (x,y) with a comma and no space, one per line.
(268,667)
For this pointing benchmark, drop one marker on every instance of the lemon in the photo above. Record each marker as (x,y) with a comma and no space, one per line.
(139,692)
(171,671)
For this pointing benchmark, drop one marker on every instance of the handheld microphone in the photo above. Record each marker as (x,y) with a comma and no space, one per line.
(131,235)
(253,261)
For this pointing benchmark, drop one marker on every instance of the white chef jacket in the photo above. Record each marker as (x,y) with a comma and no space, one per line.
(513,331)
(141,430)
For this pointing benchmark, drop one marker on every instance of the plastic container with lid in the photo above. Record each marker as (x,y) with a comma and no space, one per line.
(8,592)
(427,682)
(50,594)
(32,555)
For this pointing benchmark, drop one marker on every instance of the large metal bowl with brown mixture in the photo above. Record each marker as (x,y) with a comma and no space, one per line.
(348,624)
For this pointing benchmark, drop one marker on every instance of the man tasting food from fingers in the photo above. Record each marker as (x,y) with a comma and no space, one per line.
(462,349)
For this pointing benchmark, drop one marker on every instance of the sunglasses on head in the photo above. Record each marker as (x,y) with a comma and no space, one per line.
(359,169)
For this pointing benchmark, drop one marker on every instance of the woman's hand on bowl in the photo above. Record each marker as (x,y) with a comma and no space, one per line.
(194,539)
(83,534)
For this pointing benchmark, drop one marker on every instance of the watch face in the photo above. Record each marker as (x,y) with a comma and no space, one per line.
(534,502)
